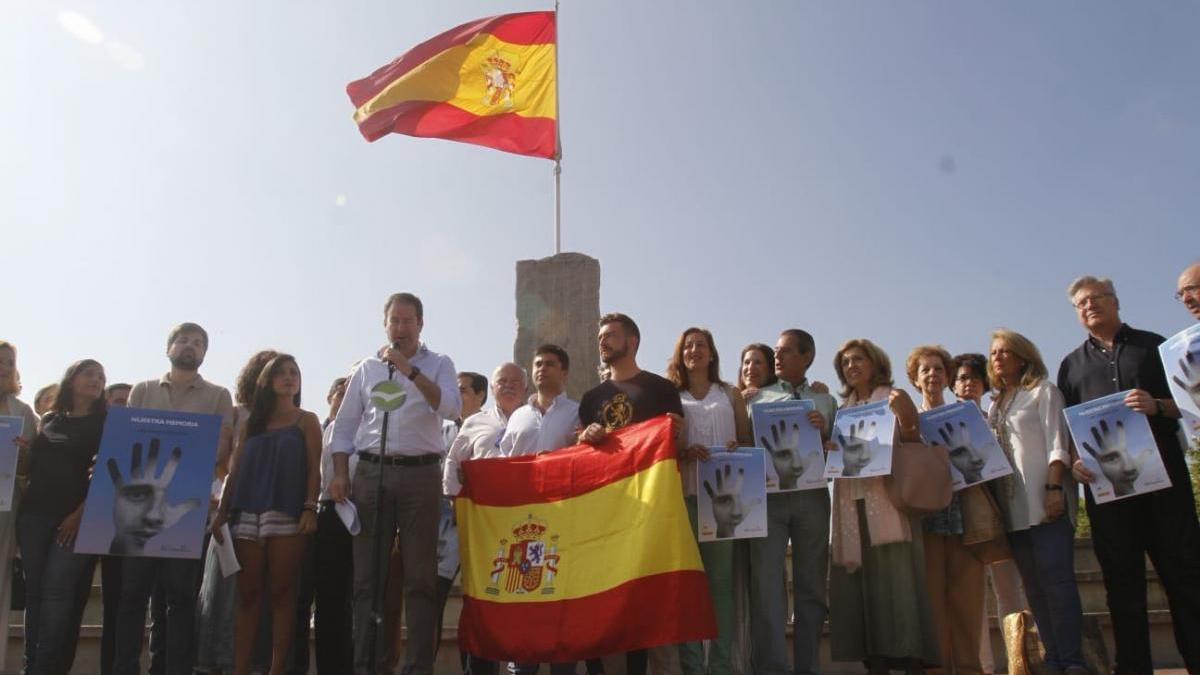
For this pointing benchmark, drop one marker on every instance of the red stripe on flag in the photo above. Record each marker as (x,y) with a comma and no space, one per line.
(663,609)
(513,481)
(526,28)
(509,132)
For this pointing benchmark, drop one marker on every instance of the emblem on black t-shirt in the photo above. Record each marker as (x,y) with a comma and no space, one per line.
(617,412)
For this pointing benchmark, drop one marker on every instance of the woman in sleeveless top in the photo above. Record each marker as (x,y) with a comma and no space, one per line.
(216,605)
(715,415)
(270,502)
(879,610)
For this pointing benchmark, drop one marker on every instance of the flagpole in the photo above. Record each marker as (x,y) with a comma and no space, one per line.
(558,146)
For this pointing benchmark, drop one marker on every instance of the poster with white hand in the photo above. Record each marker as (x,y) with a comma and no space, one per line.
(1115,444)
(732,500)
(975,454)
(863,435)
(794,456)
(1181,359)
(10,428)
(149,494)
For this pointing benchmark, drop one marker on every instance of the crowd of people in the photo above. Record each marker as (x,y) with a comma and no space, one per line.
(900,592)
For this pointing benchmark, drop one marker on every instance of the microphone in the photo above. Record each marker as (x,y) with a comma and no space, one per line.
(392,366)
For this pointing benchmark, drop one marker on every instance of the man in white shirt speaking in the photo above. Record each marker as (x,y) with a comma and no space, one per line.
(396,487)
(549,420)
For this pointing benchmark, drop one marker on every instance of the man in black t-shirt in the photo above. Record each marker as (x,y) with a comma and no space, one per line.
(629,396)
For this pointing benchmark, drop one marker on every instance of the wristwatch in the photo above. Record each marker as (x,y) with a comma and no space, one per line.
(1053,487)
(1158,409)
(412,374)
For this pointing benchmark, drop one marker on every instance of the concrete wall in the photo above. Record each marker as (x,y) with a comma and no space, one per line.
(558,301)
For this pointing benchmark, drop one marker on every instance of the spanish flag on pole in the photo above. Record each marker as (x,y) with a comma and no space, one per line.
(490,82)
(580,552)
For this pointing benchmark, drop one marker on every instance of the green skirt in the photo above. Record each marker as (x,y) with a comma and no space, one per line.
(882,609)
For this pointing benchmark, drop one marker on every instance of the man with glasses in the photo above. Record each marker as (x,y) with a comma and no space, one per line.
(802,516)
(1115,358)
(1189,289)
(480,438)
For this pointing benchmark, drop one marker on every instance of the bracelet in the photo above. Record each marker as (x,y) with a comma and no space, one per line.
(1054,487)
(310,507)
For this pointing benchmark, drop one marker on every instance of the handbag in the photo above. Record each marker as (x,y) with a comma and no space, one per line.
(920,481)
(984,533)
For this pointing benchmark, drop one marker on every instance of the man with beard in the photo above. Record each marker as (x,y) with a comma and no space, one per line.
(396,487)
(181,390)
(630,395)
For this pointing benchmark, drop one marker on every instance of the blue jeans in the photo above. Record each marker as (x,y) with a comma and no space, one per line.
(54,577)
(803,517)
(178,578)
(1045,557)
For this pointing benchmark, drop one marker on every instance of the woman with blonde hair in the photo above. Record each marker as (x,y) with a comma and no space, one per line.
(1026,416)
(878,606)
(953,575)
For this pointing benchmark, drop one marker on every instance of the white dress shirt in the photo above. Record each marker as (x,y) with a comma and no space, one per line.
(478,438)
(327,462)
(531,431)
(1038,435)
(414,428)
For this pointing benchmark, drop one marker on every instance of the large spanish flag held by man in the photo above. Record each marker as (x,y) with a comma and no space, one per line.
(490,82)
(581,552)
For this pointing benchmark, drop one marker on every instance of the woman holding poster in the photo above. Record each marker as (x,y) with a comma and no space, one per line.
(1027,418)
(61,459)
(878,607)
(270,501)
(716,416)
(953,575)
(13,407)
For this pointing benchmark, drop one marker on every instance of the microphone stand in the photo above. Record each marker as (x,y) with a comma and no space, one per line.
(380,587)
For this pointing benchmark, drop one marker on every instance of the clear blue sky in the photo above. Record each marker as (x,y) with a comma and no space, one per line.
(908,172)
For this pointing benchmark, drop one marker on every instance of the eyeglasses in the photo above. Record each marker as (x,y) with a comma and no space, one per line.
(1192,291)
(1090,300)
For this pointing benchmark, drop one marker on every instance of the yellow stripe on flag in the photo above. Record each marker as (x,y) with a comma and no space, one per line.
(633,527)
(486,76)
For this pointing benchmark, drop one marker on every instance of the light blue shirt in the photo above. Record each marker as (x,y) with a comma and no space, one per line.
(783,391)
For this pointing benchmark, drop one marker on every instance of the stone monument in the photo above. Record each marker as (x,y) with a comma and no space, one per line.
(558,301)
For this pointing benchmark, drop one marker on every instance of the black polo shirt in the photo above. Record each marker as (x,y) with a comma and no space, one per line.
(1093,371)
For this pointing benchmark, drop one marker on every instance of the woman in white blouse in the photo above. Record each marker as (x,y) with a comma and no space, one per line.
(715,415)
(1037,502)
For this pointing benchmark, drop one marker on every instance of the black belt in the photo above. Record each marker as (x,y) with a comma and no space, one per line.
(400,460)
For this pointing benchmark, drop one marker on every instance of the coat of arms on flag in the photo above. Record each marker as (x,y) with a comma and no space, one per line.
(527,562)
